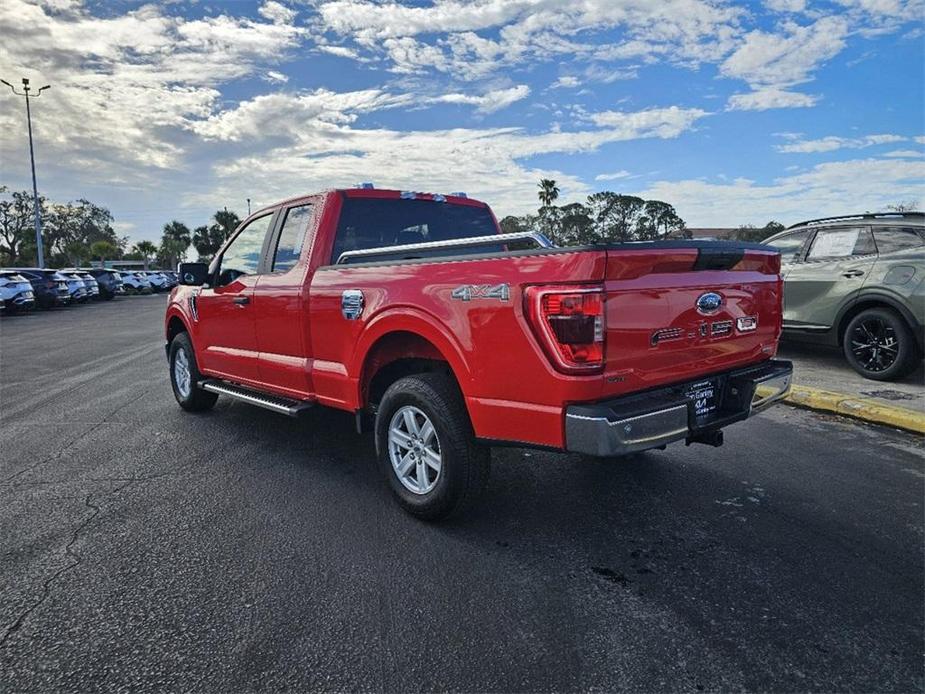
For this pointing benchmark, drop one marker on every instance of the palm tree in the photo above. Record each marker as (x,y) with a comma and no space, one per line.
(179,232)
(146,249)
(102,249)
(549,191)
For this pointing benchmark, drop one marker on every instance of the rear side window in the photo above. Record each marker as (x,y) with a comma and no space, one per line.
(790,245)
(292,238)
(892,239)
(841,243)
(376,223)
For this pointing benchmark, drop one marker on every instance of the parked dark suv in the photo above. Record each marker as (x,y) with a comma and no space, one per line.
(49,287)
(858,282)
(110,282)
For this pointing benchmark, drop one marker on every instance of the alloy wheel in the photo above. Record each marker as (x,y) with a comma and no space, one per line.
(181,373)
(874,344)
(414,450)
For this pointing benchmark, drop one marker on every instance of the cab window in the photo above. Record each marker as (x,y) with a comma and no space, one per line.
(843,242)
(790,245)
(242,257)
(892,239)
(292,238)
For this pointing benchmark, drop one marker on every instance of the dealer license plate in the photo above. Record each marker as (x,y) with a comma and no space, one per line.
(702,396)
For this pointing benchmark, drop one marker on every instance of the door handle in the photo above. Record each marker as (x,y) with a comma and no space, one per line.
(853,273)
(242,300)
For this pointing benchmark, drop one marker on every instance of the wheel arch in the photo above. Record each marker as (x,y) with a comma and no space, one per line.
(874,299)
(403,345)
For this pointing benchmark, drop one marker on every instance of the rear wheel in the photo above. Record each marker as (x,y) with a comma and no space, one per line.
(426,447)
(185,377)
(879,345)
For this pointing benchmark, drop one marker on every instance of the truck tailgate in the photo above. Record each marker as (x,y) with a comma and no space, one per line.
(662,319)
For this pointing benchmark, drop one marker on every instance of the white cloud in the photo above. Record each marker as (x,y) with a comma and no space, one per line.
(827,189)
(312,139)
(788,58)
(623,173)
(276,77)
(770,97)
(566,82)
(832,143)
(920,139)
(276,12)
(443,36)
(121,83)
(486,103)
(786,5)
(905,153)
(341,51)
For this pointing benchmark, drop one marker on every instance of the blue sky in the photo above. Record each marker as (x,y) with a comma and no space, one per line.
(734,112)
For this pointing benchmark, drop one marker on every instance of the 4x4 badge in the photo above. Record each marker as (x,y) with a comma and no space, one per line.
(468,292)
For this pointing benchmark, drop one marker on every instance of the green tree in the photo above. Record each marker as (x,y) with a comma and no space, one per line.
(171,252)
(659,219)
(147,250)
(749,232)
(178,232)
(17,225)
(103,250)
(208,239)
(549,192)
(615,217)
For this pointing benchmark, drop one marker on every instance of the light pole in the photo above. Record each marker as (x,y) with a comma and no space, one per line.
(35,191)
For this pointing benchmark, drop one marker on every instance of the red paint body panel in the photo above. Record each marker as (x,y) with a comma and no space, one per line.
(298,342)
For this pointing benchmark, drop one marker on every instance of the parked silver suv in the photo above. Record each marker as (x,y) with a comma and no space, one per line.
(858,282)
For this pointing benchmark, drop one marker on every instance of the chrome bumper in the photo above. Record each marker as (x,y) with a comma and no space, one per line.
(652,419)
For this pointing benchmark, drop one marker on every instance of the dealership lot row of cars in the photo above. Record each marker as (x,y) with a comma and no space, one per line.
(24,289)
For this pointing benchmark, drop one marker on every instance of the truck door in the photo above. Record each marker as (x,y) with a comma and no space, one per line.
(226,331)
(281,304)
(831,274)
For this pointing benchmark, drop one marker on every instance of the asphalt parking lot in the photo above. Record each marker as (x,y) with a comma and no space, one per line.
(144,548)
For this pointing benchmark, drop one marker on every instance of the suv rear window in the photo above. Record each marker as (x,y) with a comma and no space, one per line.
(892,239)
(376,223)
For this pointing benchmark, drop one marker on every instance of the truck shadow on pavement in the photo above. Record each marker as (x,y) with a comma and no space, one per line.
(738,549)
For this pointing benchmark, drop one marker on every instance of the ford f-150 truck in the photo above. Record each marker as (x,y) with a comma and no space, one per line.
(414,309)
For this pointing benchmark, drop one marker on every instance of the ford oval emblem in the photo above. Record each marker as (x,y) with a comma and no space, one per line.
(709,302)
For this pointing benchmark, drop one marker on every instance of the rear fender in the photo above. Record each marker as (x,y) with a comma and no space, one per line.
(419,323)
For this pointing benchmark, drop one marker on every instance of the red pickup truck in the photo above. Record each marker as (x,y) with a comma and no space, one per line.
(414,309)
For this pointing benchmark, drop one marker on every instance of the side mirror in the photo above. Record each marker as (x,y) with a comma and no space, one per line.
(193,274)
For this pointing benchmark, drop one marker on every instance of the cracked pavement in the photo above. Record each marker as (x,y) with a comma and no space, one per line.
(147,549)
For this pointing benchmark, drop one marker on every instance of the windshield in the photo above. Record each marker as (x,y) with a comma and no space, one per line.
(376,222)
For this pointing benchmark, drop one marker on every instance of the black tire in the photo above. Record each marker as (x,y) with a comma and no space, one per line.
(196,399)
(879,345)
(465,465)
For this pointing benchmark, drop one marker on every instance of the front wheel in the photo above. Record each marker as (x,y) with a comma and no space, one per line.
(185,377)
(879,345)
(426,447)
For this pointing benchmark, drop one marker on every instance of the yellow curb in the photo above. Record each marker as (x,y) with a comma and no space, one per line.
(868,409)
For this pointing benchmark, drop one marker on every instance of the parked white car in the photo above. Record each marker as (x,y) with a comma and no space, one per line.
(16,292)
(90,283)
(159,282)
(135,283)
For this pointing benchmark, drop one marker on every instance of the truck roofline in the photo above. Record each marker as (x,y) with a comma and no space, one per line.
(382,193)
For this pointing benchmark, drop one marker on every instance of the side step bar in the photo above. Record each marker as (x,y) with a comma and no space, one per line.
(276,403)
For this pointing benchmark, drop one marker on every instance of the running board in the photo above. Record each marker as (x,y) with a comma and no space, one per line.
(276,403)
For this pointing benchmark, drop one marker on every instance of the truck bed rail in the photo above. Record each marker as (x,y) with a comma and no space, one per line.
(468,242)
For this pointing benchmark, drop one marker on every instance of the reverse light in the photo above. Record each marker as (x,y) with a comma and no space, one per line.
(746,324)
(569,322)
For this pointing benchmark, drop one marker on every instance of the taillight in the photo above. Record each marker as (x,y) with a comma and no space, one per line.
(569,322)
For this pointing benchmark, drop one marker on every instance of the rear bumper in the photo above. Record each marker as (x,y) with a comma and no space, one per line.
(654,418)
